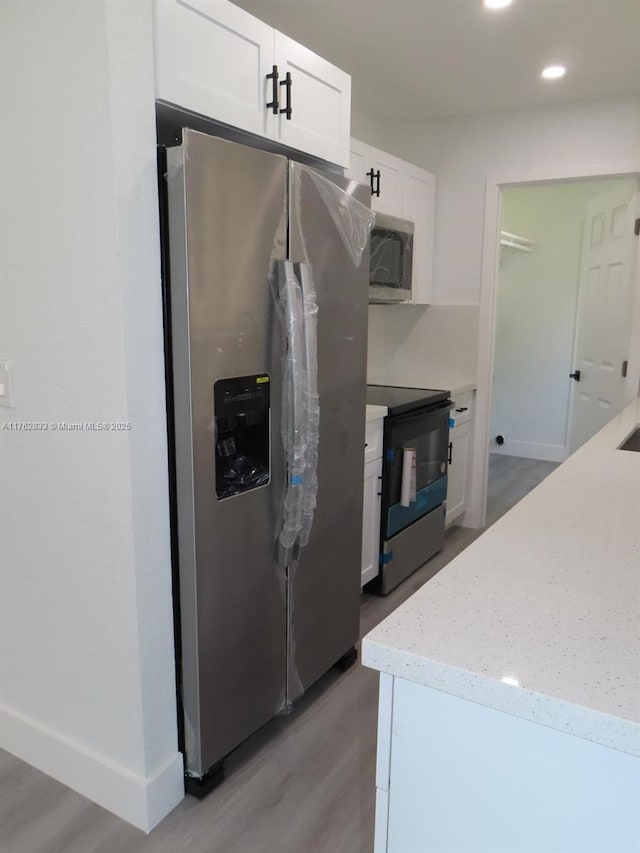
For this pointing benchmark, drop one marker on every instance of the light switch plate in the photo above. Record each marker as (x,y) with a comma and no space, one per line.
(6,397)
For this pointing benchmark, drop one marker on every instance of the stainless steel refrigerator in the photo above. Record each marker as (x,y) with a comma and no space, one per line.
(262,615)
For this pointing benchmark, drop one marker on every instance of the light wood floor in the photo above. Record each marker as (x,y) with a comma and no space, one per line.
(304,784)
(510,479)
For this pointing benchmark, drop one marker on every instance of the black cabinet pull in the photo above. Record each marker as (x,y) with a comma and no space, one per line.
(375,190)
(575,375)
(287,83)
(370,174)
(273,104)
(463,409)
(450,459)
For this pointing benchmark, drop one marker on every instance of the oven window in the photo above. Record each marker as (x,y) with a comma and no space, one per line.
(429,435)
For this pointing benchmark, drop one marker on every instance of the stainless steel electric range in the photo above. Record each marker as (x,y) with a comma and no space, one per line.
(416,443)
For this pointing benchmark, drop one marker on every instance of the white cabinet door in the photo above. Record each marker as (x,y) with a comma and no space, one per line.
(371,520)
(213,58)
(359,162)
(390,182)
(418,204)
(458,474)
(320,102)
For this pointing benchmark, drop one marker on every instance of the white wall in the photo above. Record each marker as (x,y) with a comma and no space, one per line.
(368,130)
(428,347)
(462,152)
(535,316)
(87,688)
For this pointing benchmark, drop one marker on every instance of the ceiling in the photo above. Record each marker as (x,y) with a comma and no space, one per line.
(413,60)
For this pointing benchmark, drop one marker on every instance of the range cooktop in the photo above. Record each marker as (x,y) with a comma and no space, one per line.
(399,401)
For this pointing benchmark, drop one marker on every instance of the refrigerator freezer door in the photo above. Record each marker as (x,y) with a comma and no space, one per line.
(324,586)
(227,228)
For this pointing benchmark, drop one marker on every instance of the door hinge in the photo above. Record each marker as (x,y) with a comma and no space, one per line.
(637,228)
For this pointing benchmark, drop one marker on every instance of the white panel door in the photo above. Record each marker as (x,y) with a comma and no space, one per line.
(371,521)
(213,58)
(418,205)
(319,99)
(458,473)
(389,182)
(605,304)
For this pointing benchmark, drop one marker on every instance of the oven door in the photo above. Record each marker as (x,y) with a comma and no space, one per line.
(426,430)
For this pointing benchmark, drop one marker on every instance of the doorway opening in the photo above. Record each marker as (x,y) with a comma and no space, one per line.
(563,307)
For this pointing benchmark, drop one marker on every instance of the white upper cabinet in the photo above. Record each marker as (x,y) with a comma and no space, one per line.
(217,60)
(406,191)
(383,173)
(213,58)
(359,162)
(387,170)
(418,205)
(317,98)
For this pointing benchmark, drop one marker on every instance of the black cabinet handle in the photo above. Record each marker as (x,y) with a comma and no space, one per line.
(370,174)
(273,104)
(463,409)
(287,83)
(450,459)
(575,375)
(374,176)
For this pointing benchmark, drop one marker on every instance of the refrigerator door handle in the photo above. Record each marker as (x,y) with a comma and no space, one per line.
(311,400)
(293,433)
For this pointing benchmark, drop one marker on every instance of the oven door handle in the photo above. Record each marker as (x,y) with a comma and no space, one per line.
(423,414)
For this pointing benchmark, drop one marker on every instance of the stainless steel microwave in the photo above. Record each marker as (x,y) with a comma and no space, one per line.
(391,260)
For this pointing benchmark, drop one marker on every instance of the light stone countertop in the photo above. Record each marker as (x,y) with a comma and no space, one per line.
(374,413)
(548,598)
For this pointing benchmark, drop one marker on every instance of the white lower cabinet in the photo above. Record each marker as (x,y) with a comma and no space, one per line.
(372,500)
(371,520)
(457,486)
(460,449)
(465,778)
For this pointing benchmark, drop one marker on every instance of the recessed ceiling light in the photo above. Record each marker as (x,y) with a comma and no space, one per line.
(497,4)
(554,72)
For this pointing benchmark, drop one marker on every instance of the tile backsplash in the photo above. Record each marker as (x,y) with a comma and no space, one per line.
(410,343)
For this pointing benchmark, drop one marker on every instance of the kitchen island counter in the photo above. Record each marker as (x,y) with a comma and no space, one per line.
(538,619)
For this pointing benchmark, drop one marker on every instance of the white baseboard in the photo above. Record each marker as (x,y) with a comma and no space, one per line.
(141,801)
(531,450)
